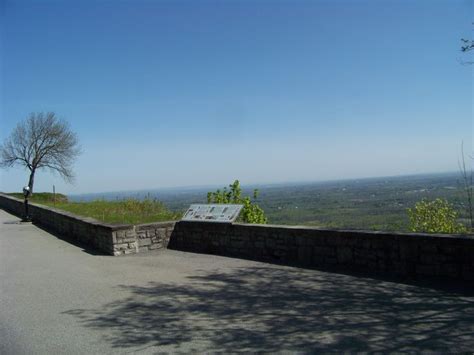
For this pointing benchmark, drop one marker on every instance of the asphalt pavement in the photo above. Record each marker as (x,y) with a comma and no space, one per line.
(56,297)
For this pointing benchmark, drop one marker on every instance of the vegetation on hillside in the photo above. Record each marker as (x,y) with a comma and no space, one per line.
(374,204)
(251,212)
(437,216)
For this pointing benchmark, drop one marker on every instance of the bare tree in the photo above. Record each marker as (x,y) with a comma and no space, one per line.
(467,181)
(41,142)
(467,46)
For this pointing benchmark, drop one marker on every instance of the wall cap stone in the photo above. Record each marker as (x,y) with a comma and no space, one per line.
(155,224)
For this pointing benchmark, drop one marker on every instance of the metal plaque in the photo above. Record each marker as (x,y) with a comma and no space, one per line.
(212,213)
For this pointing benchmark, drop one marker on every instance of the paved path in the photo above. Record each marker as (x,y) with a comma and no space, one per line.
(57,298)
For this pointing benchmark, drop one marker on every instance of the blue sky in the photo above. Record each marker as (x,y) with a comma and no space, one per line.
(180,93)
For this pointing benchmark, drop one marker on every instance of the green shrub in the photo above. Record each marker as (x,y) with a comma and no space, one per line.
(251,212)
(437,216)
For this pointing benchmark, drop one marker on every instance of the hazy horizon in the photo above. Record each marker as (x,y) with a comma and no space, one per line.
(250,185)
(167,94)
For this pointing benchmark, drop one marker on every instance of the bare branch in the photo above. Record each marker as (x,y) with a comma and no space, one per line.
(41,141)
(467,45)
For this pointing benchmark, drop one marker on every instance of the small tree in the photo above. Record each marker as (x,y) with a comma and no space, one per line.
(436,216)
(251,212)
(41,142)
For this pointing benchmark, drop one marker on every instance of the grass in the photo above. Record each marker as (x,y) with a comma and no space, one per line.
(126,211)
(42,197)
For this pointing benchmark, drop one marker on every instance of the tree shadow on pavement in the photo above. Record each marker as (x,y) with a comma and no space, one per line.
(282,308)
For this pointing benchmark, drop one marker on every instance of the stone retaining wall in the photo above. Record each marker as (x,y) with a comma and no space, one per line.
(402,254)
(153,235)
(110,239)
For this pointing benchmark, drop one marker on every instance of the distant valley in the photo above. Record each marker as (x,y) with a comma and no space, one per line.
(373,203)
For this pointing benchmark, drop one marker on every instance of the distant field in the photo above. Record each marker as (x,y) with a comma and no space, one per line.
(126,211)
(377,204)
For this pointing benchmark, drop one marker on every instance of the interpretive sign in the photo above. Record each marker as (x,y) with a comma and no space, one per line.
(212,213)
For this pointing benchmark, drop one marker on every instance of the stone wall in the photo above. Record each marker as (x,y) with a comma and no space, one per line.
(142,238)
(110,239)
(402,254)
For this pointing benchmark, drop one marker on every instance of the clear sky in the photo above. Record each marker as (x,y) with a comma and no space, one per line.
(180,93)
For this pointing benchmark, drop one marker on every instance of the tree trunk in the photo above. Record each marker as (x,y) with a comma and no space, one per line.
(31,181)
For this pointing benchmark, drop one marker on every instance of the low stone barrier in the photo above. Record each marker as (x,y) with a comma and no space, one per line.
(110,239)
(143,237)
(403,254)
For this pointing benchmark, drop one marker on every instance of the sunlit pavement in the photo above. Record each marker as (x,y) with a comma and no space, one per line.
(56,297)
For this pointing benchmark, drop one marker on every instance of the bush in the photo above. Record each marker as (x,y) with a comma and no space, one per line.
(437,216)
(251,212)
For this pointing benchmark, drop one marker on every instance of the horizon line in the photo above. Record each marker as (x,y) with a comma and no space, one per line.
(265,184)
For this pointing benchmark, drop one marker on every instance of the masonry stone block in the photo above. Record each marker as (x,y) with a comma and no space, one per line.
(120,234)
(452,270)
(156,246)
(426,270)
(304,255)
(150,233)
(121,246)
(302,240)
(344,255)
(324,251)
(161,233)
(127,240)
(428,247)
(144,242)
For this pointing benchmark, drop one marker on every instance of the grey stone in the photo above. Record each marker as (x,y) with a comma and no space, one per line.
(144,242)
(344,255)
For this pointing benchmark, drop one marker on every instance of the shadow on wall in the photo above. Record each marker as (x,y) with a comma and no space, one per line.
(274,308)
(86,248)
